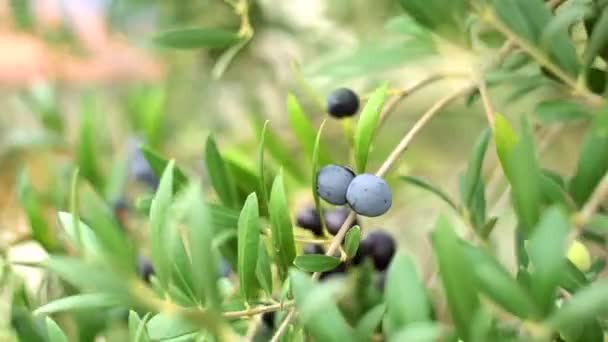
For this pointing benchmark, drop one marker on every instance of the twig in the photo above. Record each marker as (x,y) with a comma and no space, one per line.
(485,100)
(593,203)
(424,119)
(252,329)
(258,310)
(283,327)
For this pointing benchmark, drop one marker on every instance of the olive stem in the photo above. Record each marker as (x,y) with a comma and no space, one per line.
(258,310)
(485,100)
(284,325)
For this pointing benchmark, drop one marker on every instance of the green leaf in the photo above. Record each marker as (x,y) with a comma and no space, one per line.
(261,168)
(585,306)
(315,171)
(54,331)
(504,139)
(32,205)
(366,127)
(281,226)
(202,253)
(323,319)
(562,22)
(368,324)
(86,153)
(220,178)
(160,233)
(77,302)
(498,285)
(182,268)
(278,149)
(302,128)
(525,180)
(249,243)
(598,223)
(159,164)
(447,19)
(426,185)
(90,245)
(316,262)
(263,270)
(194,38)
(163,327)
(456,274)
(593,161)
(472,175)
(352,240)
(598,39)
(137,328)
(546,249)
(404,308)
(560,111)
(418,332)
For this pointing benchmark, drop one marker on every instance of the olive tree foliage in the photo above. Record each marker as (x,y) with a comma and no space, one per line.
(243,216)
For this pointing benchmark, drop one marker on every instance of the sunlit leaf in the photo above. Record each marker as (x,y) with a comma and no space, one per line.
(78,302)
(160,233)
(248,240)
(366,127)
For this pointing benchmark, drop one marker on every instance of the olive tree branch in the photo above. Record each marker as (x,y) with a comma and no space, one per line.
(485,100)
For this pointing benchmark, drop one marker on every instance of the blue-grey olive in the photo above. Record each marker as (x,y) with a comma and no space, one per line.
(369,195)
(332,182)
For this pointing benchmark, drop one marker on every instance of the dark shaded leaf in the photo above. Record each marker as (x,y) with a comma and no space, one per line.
(158,165)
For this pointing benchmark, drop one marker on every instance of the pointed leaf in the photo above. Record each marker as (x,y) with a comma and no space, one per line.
(159,164)
(90,245)
(78,302)
(281,226)
(547,254)
(457,276)
(54,331)
(405,307)
(352,240)
(368,324)
(323,319)
(263,271)
(220,178)
(249,240)
(160,233)
(316,262)
(366,127)
(315,170)
(31,203)
(504,139)
(302,128)
(261,168)
(137,328)
(585,306)
(426,185)
(598,39)
(194,38)
(474,167)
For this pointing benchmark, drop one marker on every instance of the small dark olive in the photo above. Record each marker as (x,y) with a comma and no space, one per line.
(382,249)
(308,218)
(268,319)
(335,219)
(145,268)
(342,102)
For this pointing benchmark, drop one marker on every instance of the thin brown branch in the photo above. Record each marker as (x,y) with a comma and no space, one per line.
(284,325)
(485,100)
(257,310)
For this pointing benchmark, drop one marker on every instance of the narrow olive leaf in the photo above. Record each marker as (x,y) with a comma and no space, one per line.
(89,244)
(278,149)
(323,319)
(86,151)
(54,331)
(202,253)
(367,325)
(562,22)
(598,39)
(456,274)
(137,327)
(504,140)
(573,279)
(585,306)
(419,332)
(598,223)
(525,180)
(405,307)
(546,249)
(472,175)
(366,127)
(447,19)
(182,268)
(316,262)
(593,161)
(163,327)
(159,164)
(249,240)
(262,169)
(302,128)
(315,169)
(498,285)
(220,178)
(194,38)
(426,185)
(555,111)
(352,240)
(263,271)
(30,201)
(281,227)
(160,233)
(78,302)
